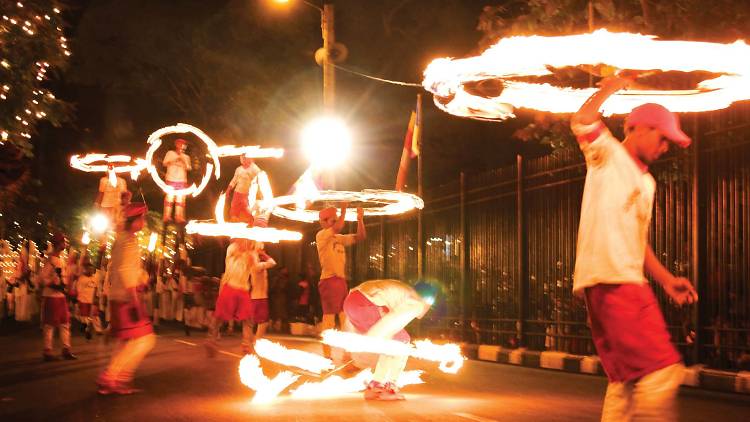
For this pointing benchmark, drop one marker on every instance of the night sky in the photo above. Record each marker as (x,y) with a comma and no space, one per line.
(243,72)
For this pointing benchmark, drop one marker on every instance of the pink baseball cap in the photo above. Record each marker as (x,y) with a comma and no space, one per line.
(657,116)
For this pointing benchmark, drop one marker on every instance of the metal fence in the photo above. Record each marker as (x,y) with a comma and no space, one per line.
(502,245)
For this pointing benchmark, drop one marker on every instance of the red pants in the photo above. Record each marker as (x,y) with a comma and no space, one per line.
(629,331)
(259,311)
(129,320)
(363,314)
(333,291)
(233,304)
(55,311)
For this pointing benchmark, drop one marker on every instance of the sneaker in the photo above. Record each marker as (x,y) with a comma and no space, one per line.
(48,356)
(392,392)
(68,355)
(104,385)
(373,390)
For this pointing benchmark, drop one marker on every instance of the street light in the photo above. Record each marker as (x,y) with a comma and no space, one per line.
(331,53)
(326,142)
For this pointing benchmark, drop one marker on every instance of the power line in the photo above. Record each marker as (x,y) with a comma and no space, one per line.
(375,78)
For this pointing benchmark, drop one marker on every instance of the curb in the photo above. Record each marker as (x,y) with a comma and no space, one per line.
(697,376)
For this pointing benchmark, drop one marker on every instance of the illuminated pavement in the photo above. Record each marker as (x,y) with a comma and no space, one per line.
(181,384)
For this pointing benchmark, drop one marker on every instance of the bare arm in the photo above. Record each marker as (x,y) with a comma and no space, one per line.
(339,224)
(589,111)
(361,232)
(679,289)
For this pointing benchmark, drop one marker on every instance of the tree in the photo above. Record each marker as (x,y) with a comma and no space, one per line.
(723,21)
(32,48)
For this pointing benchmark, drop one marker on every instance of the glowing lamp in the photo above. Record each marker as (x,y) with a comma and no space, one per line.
(326,142)
(99,223)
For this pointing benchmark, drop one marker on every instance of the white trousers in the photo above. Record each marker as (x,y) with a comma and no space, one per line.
(49,332)
(650,398)
(127,356)
(389,368)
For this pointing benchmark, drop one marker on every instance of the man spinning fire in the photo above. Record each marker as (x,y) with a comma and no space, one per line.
(240,186)
(177,163)
(382,308)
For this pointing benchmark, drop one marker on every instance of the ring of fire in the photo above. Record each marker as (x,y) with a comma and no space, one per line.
(154,140)
(533,56)
(388,202)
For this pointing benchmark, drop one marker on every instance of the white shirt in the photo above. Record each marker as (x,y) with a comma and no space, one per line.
(86,287)
(618,197)
(125,268)
(243,178)
(112,195)
(259,278)
(332,252)
(49,275)
(401,301)
(177,166)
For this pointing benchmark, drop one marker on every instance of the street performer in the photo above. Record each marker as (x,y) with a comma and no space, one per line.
(240,187)
(55,312)
(332,255)
(130,323)
(177,163)
(643,367)
(381,309)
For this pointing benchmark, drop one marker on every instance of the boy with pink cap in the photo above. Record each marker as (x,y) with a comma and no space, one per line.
(643,367)
(332,255)
(177,163)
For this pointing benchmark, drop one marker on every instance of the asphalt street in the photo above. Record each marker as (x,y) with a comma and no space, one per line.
(181,384)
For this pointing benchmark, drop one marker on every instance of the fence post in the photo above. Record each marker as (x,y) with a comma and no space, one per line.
(464,253)
(521,284)
(695,227)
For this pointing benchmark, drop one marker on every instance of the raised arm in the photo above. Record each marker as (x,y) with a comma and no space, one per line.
(361,232)
(339,224)
(589,111)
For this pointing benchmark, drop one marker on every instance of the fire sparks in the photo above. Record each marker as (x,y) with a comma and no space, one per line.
(266,389)
(449,355)
(337,386)
(249,151)
(101,163)
(275,352)
(388,203)
(238,230)
(533,56)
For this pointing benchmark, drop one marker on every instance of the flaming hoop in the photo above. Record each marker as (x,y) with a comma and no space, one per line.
(154,140)
(100,163)
(251,151)
(388,202)
(451,80)
(238,230)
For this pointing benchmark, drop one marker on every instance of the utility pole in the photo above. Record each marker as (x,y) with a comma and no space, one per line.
(329,71)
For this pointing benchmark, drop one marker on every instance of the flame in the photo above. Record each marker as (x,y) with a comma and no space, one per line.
(120,164)
(266,389)
(532,56)
(449,355)
(337,386)
(275,352)
(390,202)
(249,151)
(238,230)
(152,242)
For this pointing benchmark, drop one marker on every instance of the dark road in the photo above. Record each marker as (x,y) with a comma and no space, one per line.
(181,384)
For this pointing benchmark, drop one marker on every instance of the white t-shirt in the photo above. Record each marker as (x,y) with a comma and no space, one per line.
(177,166)
(259,278)
(332,252)
(86,286)
(238,266)
(243,178)
(125,268)
(111,195)
(50,275)
(618,197)
(392,294)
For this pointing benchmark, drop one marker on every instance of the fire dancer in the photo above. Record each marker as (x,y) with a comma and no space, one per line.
(177,163)
(629,332)
(234,303)
(259,292)
(129,321)
(109,198)
(332,255)
(382,308)
(54,304)
(240,186)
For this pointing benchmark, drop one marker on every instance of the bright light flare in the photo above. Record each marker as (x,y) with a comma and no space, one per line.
(326,142)
(99,223)
(85,239)
(275,352)
(152,242)
(388,202)
(449,355)
(266,389)
(518,56)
